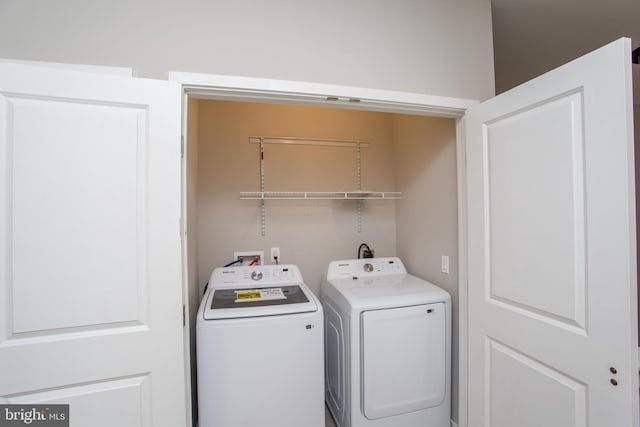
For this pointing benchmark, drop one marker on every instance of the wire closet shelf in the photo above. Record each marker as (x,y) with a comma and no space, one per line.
(358,195)
(319,195)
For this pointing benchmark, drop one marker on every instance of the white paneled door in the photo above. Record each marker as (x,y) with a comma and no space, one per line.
(552,274)
(90,261)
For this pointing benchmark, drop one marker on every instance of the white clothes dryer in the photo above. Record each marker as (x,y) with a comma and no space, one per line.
(387,345)
(259,337)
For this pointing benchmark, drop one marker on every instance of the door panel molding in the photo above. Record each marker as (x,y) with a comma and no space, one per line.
(90,243)
(551,238)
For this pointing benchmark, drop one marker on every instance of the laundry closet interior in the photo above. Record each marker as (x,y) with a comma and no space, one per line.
(404,165)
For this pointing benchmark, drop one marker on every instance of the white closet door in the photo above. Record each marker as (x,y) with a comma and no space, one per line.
(551,228)
(90,267)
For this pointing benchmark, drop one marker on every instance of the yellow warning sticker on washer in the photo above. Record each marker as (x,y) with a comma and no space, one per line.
(248,295)
(259,295)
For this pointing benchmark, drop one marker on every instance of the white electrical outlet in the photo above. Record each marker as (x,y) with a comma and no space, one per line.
(248,256)
(275,256)
(444,264)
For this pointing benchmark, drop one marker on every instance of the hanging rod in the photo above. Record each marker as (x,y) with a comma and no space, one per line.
(307,141)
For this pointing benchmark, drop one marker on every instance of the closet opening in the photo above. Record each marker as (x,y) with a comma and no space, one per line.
(412,149)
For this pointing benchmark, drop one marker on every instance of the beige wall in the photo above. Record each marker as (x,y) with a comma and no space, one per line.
(427,220)
(439,47)
(412,154)
(308,233)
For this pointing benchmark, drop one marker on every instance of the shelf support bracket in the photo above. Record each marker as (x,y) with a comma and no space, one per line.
(359,188)
(263,220)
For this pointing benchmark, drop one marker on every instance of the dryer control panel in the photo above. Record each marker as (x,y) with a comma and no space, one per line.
(365,267)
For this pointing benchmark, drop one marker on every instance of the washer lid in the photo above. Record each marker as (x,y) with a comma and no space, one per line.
(241,302)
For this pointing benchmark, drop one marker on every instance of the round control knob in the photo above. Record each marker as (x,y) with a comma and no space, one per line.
(256,275)
(368,267)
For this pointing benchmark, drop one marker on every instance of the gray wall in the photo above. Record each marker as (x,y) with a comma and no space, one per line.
(525,49)
(636,119)
(438,47)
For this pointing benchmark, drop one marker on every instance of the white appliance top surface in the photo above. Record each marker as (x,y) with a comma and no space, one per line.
(263,290)
(385,284)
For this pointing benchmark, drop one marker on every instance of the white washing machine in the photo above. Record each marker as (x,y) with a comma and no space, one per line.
(260,352)
(387,345)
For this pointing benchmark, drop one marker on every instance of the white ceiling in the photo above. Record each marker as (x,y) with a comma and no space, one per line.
(531,37)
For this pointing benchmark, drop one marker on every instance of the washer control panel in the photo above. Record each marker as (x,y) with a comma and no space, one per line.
(254,275)
(365,267)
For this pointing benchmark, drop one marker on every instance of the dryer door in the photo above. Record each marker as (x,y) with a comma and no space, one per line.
(403,359)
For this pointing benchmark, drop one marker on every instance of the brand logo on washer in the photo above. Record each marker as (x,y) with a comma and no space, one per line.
(308,327)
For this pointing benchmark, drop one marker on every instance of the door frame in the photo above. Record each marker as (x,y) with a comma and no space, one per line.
(249,89)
